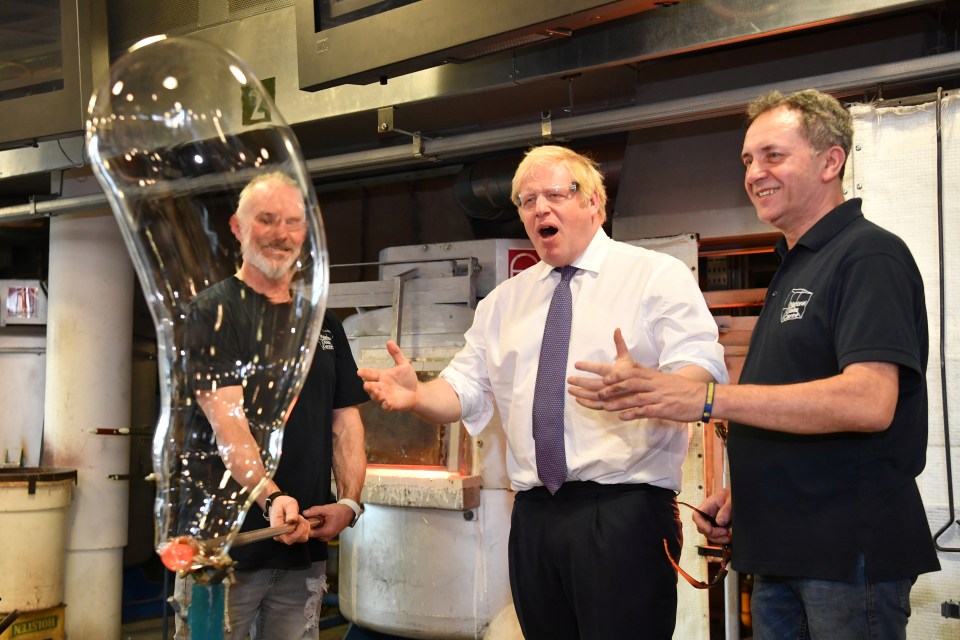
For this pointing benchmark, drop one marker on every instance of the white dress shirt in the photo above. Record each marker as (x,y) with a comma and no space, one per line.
(654,300)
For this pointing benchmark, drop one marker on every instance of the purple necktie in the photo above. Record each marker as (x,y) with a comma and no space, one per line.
(550,391)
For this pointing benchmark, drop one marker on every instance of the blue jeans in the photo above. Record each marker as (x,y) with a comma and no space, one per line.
(806,609)
(269,604)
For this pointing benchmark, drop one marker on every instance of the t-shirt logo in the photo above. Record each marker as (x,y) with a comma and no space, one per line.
(326,340)
(795,305)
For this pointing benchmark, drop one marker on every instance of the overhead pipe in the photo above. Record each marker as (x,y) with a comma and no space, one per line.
(455,148)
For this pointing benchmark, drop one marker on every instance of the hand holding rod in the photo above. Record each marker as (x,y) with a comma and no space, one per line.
(269,532)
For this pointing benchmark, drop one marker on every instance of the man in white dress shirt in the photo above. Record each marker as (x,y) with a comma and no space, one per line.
(586,562)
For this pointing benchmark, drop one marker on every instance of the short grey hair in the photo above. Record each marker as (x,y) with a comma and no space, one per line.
(273,176)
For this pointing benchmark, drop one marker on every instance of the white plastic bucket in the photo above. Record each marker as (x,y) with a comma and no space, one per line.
(33,532)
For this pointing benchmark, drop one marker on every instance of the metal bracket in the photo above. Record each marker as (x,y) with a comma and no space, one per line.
(12,458)
(546,124)
(385,119)
(385,125)
(417,144)
(398,282)
(569,78)
(950,609)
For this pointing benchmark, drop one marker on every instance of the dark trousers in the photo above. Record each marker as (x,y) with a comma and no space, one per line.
(588,563)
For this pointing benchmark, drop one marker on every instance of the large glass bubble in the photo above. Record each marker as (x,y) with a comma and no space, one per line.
(214,202)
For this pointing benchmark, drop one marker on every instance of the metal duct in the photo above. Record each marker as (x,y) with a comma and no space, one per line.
(345,45)
(483,189)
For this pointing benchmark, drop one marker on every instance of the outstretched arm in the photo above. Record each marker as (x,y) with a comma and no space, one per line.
(398,389)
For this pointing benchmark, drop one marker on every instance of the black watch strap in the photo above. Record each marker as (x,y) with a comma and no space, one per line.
(269,501)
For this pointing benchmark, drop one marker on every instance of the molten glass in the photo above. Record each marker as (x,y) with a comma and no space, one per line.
(178,555)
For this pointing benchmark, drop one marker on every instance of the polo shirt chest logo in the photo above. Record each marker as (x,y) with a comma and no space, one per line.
(795,305)
(326,340)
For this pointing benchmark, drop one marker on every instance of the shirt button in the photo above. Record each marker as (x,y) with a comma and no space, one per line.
(774,294)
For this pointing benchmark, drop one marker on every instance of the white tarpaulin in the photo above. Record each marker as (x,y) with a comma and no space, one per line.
(893,167)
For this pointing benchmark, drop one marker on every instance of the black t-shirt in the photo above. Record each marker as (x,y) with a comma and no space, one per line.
(305,465)
(243,349)
(233,337)
(806,506)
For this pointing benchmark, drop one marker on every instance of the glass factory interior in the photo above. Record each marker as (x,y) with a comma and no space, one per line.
(411,117)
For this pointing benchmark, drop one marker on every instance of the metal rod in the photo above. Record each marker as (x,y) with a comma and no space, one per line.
(31,350)
(269,532)
(165,624)
(120,431)
(943,335)
(396,262)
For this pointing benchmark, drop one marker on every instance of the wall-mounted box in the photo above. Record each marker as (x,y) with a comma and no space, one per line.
(22,302)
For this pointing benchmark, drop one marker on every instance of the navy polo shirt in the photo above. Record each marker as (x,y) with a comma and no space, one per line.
(806,506)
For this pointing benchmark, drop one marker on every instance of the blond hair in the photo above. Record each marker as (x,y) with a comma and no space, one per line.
(583,170)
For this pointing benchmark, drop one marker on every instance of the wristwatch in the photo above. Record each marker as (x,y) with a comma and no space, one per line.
(269,501)
(356,506)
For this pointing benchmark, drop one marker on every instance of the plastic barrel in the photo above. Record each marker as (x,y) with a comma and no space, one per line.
(33,531)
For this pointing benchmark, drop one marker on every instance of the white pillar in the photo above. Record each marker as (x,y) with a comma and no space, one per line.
(89,334)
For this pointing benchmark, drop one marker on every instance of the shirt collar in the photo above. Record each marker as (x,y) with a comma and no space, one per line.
(589,260)
(827,227)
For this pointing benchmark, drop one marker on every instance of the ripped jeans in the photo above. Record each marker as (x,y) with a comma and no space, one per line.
(270,604)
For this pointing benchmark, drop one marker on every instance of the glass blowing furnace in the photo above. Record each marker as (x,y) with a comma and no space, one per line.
(429,557)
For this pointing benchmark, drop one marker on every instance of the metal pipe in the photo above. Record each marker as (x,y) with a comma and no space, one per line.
(843,84)
(266,533)
(35,350)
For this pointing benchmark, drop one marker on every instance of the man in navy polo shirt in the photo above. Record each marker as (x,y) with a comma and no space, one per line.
(828,426)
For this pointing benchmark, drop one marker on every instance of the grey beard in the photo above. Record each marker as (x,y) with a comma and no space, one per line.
(270,269)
